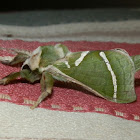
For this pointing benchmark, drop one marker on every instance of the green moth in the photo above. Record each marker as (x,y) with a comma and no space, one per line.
(108,74)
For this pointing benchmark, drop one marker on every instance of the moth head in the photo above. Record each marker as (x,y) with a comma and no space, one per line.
(33,61)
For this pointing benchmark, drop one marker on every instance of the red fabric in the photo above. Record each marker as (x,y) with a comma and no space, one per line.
(66,97)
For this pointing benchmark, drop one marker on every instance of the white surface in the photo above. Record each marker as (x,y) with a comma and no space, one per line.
(121,31)
(22,122)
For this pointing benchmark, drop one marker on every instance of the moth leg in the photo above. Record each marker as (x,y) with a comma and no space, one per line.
(30,76)
(9,78)
(12,60)
(9,60)
(6,59)
(46,82)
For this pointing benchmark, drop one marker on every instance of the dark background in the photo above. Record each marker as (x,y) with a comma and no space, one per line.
(21,5)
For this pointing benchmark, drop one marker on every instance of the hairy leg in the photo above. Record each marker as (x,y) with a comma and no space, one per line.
(9,78)
(12,60)
(46,82)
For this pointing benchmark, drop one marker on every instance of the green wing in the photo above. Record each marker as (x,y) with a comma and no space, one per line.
(111,75)
(136,60)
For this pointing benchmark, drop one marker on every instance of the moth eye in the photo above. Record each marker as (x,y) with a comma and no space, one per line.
(26,67)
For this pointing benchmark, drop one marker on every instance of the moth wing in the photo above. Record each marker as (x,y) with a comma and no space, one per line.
(124,69)
(94,74)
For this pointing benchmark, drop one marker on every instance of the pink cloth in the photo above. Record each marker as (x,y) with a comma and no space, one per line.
(66,97)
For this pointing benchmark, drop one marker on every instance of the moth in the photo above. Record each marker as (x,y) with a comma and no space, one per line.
(108,73)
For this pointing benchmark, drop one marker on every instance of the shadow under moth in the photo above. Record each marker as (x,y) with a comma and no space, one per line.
(108,73)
